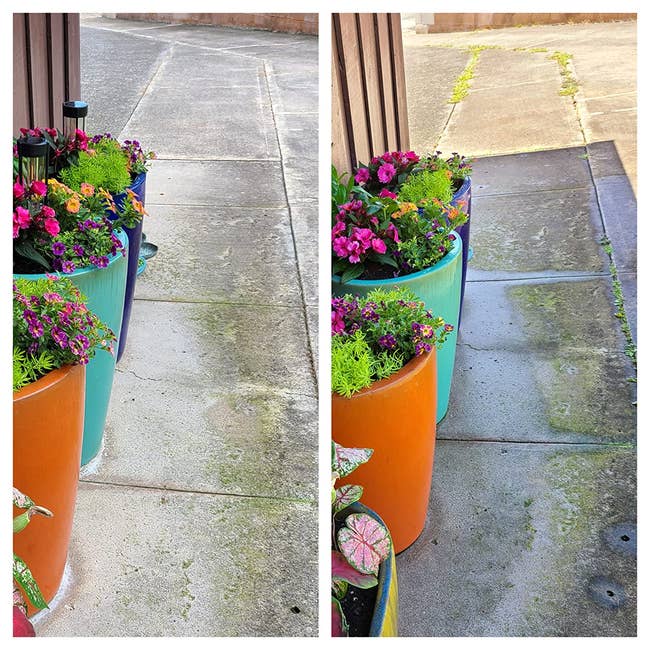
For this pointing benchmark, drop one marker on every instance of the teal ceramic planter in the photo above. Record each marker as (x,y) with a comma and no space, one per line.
(439,288)
(104,289)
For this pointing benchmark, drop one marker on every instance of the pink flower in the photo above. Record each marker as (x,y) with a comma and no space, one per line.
(362,175)
(387,194)
(22,217)
(387,157)
(39,188)
(378,245)
(363,236)
(412,156)
(385,173)
(340,246)
(338,324)
(338,228)
(354,252)
(19,190)
(391,231)
(47,212)
(51,225)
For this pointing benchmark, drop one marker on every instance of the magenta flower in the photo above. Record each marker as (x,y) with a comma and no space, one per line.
(362,175)
(338,228)
(391,231)
(385,173)
(354,251)
(19,191)
(338,324)
(47,212)
(363,236)
(378,245)
(340,246)
(387,194)
(39,188)
(52,227)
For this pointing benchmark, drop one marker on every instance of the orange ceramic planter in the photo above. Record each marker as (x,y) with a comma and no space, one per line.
(48,430)
(397,418)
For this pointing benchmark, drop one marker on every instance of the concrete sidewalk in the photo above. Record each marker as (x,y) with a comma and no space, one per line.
(200,516)
(532,522)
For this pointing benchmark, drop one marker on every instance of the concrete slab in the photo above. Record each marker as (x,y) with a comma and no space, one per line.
(534,232)
(521,540)
(312,325)
(298,139)
(115,64)
(604,159)
(618,208)
(431,73)
(218,258)
(224,183)
(305,226)
(629,287)
(556,169)
(182,564)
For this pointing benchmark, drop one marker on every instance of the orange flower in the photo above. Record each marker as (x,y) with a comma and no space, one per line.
(72,205)
(404,208)
(137,206)
(87,189)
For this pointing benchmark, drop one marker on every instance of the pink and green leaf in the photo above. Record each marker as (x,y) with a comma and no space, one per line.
(23,576)
(342,570)
(364,542)
(345,496)
(21,500)
(346,459)
(339,624)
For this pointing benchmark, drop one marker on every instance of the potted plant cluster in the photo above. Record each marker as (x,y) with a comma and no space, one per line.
(55,337)
(364,579)
(78,210)
(26,591)
(384,398)
(382,240)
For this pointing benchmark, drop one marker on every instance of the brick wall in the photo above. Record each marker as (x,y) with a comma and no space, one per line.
(292,23)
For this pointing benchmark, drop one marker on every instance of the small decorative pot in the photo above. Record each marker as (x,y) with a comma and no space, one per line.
(396,417)
(48,427)
(439,288)
(104,289)
(385,616)
(462,199)
(138,186)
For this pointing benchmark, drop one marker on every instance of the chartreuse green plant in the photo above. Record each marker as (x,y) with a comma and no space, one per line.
(22,575)
(107,168)
(426,184)
(360,543)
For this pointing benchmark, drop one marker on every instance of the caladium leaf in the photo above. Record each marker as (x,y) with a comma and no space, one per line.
(23,576)
(346,495)
(364,542)
(341,570)
(21,500)
(346,459)
(339,624)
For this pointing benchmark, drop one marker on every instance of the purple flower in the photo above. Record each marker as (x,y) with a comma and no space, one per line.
(387,341)
(78,250)
(362,175)
(102,262)
(58,248)
(36,329)
(368,313)
(67,266)
(30,316)
(338,324)
(60,337)
(421,348)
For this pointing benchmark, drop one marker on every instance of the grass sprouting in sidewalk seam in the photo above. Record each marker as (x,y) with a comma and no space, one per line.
(462,85)
(630,347)
(569,82)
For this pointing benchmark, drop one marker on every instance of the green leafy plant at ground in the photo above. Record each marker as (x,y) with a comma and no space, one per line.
(360,543)
(107,168)
(462,85)
(569,82)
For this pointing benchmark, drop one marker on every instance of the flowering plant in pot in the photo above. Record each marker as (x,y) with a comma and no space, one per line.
(55,337)
(361,547)
(56,228)
(459,167)
(384,398)
(384,174)
(24,583)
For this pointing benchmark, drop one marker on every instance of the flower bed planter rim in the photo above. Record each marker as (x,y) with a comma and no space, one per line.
(410,367)
(45,382)
(447,259)
(463,188)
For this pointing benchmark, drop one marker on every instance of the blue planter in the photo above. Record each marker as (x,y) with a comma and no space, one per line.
(104,289)
(439,288)
(463,199)
(135,237)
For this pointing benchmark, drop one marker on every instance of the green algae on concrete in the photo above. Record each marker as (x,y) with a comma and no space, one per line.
(581,371)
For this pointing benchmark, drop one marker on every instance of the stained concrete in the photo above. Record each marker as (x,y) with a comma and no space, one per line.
(199,517)
(531,528)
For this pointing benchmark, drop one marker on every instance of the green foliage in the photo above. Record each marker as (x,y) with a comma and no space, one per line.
(569,82)
(107,168)
(427,185)
(341,190)
(28,368)
(352,364)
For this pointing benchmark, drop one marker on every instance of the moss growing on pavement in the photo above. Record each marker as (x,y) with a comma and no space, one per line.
(569,82)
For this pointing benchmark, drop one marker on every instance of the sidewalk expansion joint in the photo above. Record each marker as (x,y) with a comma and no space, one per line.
(549,443)
(220,302)
(305,315)
(476,196)
(156,488)
(550,277)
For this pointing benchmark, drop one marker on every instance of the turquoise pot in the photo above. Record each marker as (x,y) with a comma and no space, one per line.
(439,288)
(104,289)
